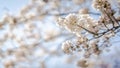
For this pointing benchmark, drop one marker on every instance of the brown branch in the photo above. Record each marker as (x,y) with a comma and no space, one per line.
(103,33)
(62,14)
(88,30)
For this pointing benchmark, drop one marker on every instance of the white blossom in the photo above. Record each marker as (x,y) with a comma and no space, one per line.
(66,46)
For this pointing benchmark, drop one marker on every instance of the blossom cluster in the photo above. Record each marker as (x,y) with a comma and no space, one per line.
(85,27)
(75,22)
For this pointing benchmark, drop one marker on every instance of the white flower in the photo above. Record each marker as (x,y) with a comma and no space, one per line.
(66,46)
(73,22)
(84,11)
(60,22)
(71,19)
(78,1)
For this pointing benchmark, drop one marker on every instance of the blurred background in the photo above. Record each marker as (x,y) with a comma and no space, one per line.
(29,37)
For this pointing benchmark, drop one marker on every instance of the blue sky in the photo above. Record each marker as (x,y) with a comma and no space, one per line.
(13,6)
